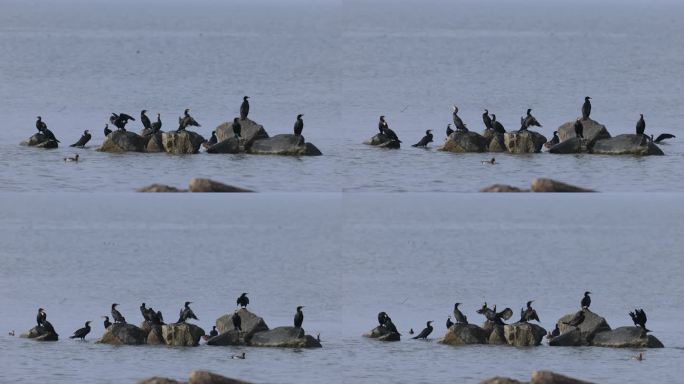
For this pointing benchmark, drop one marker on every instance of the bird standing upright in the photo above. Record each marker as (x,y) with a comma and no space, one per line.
(586,108)
(145,120)
(641,125)
(486,119)
(244,108)
(116,315)
(299,125)
(299,317)
(586,300)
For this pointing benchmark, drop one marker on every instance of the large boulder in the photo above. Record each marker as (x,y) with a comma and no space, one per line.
(569,146)
(524,334)
(182,334)
(284,144)
(497,335)
(206,377)
(249,130)
(548,377)
(39,333)
(250,323)
(123,334)
(461,142)
(34,140)
(232,337)
(123,141)
(524,141)
(626,337)
(182,142)
(549,185)
(154,143)
(284,337)
(592,131)
(382,334)
(628,144)
(591,325)
(155,335)
(464,334)
(208,185)
(229,145)
(383,141)
(571,338)
(497,143)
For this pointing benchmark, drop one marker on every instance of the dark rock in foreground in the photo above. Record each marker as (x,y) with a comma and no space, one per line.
(382,334)
(38,333)
(123,334)
(549,185)
(569,146)
(39,140)
(232,337)
(208,185)
(230,145)
(250,323)
(525,141)
(182,334)
(524,334)
(538,377)
(249,130)
(462,142)
(592,131)
(382,141)
(284,145)
(284,337)
(196,377)
(123,141)
(626,337)
(465,334)
(571,338)
(628,144)
(182,142)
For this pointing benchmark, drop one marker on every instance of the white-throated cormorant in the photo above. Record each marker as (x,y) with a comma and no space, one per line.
(425,140)
(449,323)
(498,127)
(106,322)
(449,131)
(41,316)
(459,316)
(458,123)
(81,333)
(40,125)
(156,126)
(385,130)
(486,119)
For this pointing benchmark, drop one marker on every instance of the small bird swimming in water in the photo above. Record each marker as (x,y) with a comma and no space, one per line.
(85,138)
(638,357)
(411,331)
(243,300)
(81,333)
(425,332)
(213,332)
(240,356)
(425,140)
(586,300)
(11,333)
(490,162)
(71,159)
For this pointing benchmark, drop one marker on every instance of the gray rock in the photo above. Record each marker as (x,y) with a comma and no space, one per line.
(155,336)
(462,142)
(48,144)
(571,338)
(464,334)
(206,377)
(382,141)
(591,325)
(250,323)
(548,377)
(160,380)
(592,131)
(38,333)
(524,141)
(182,334)
(284,145)
(626,337)
(249,130)
(497,336)
(120,141)
(230,145)
(154,143)
(182,142)
(382,334)
(232,337)
(497,142)
(628,144)
(549,185)
(34,140)
(501,380)
(284,337)
(524,334)
(160,188)
(208,185)
(569,146)
(502,188)
(123,334)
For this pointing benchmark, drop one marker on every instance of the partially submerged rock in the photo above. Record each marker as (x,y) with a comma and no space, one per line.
(232,337)
(249,130)
(502,188)
(206,377)
(549,185)
(250,323)
(462,142)
(123,141)
(524,334)
(284,337)
(39,333)
(571,338)
(208,185)
(628,144)
(383,141)
(34,140)
(182,142)
(626,337)
(538,377)
(524,141)
(284,145)
(160,188)
(182,334)
(230,145)
(123,334)
(591,325)
(464,334)
(569,146)
(382,334)
(592,131)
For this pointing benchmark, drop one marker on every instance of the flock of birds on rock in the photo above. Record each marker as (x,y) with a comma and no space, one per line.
(527,314)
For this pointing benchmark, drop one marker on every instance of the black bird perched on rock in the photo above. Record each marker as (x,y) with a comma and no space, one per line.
(213,139)
(299,317)
(498,127)
(48,133)
(156,126)
(425,140)
(385,130)
(530,121)
(389,325)
(382,125)
(449,323)
(116,315)
(120,120)
(187,121)
(107,131)
(40,125)
(586,300)
(41,316)
(144,312)
(243,300)
(459,316)
(639,318)
(299,125)
(106,322)
(486,119)
(237,128)
(554,140)
(244,108)
(576,320)
(145,120)
(586,108)
(85,138)
(47,327)
(186,313)
(528,314)
(382,316)
(579,129)
(449,131)
(425,332)
(496,317)
(554,333)
(641,125)
(237,321)
(81,333)
(213,332)
(662,136)
(458,123)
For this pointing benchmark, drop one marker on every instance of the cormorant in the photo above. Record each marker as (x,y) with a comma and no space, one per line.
(156,126)
(576,320)
(449,131)
(41,317)
(554,140)
(385,130)
(186,313)
(641,125)
(586,108)
(106,322)
(299,125)
(528,314)
(498,127)
(638,357)
(107,131)
(116,315)
(489,162)
(48,133)
(459,316)
(213,332)
(586,300)
(425,140)
(458,123)
(237,129)
(411,331)
(662,136)
(381,318)
(579,129)
(299,317)
(449,323)
(389,325)
(237,321)
(425,332)
(47,327)
(145,312)
(554,333)
(71,159)
(11,333)
(496,317)
(85,138)
(244,108)
(530,121)
(213,140)
(382,125)
(120,120)
(243,300)
(187,121)
(639,318)
(145,120)
(240,356)
(81,333)
(486,119)
(40,125)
